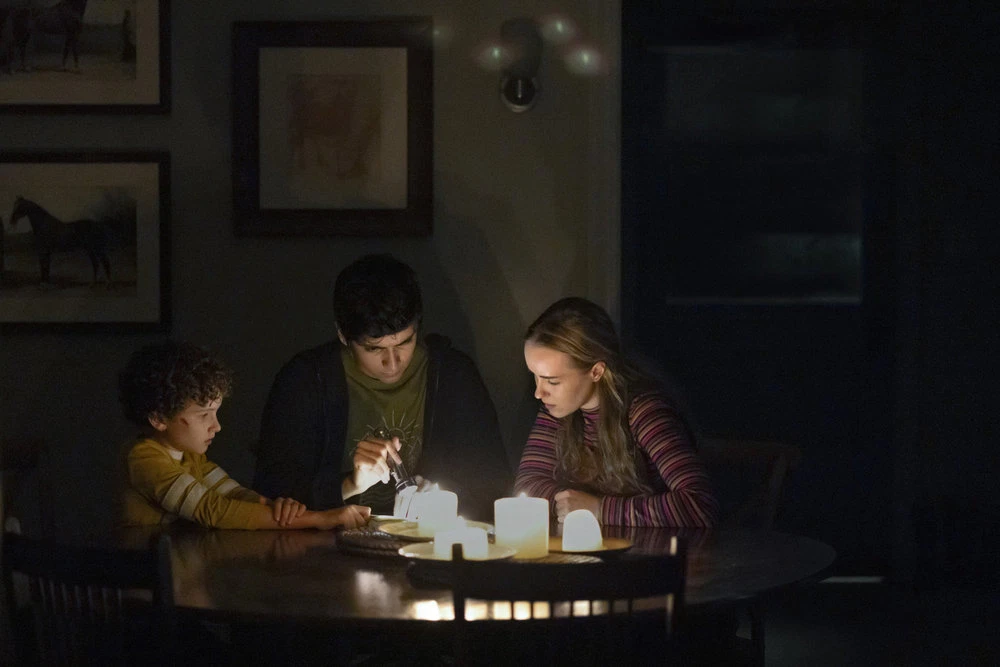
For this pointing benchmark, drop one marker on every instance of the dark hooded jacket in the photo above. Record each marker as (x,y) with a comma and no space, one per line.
(304,428)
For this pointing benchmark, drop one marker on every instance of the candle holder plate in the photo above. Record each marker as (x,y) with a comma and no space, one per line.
(425,550)
(611,545)
(440,572)
(407,530)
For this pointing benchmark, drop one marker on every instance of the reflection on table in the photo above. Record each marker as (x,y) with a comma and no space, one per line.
(302,576)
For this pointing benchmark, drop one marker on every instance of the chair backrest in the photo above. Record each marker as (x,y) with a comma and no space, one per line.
(750,477)
(72,604)
(566,613)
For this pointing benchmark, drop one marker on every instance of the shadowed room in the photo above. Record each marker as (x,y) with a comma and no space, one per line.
(785,209)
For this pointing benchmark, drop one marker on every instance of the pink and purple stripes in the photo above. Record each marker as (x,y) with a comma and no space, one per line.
(671,464)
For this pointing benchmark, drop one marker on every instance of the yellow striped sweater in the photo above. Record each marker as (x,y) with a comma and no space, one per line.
(161,488)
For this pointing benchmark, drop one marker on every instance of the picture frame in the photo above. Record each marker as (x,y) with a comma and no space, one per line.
(85,242)
(73,56)
(333,128)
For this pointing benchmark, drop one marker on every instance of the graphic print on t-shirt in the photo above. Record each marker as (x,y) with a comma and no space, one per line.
(410,432)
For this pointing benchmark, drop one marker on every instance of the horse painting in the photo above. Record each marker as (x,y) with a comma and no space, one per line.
(52,235)
(62,18)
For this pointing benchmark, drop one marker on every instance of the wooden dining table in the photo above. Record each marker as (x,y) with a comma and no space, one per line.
(308,577)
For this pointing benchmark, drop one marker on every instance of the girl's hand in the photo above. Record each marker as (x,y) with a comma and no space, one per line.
(283,510)
(570,499)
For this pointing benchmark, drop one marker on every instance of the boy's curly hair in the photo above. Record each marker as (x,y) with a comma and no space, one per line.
(160,379)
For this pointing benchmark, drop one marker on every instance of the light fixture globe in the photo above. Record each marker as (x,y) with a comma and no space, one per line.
(522,42)
(519,93)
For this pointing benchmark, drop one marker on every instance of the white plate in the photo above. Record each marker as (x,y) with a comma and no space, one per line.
(407,530)
(425,550)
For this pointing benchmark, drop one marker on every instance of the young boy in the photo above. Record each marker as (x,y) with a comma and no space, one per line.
(173,391)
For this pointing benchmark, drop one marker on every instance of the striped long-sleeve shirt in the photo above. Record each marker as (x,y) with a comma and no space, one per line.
(682,491)
(162,488)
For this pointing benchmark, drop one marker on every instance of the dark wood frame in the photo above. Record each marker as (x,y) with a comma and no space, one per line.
(161,106)
(162,234)
(412,33)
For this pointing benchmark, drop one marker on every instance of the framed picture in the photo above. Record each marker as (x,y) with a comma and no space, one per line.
(333,127)
(85,56)
(85,240)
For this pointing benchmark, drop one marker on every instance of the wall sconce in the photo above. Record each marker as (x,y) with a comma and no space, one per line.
(518,54)
(519,85)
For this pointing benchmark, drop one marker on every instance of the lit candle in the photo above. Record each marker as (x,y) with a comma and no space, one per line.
(473,541)
(581,532)
(523,524)
(436,511)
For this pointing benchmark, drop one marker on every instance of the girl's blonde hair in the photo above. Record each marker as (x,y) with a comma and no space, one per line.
(585,332)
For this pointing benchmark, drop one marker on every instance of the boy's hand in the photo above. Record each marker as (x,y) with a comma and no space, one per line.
(370,465)
(348,516)
(283,510)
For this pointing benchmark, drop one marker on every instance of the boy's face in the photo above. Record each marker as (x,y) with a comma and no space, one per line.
(386,358)
(191,429)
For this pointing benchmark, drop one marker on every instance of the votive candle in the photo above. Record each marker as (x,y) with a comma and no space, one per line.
(581,532)
(523,524)
(473,541)
(436,511)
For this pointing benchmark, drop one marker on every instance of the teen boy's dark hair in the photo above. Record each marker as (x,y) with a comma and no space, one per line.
(375,296)
(161,378)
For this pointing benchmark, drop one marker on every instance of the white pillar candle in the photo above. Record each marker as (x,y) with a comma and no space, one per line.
(581,532)
(523,524)
(473,541)
(436,511)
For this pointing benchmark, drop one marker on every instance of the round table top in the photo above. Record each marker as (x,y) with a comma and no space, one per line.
(303,575)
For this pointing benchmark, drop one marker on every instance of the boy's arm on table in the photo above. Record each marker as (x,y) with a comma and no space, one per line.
(170,487)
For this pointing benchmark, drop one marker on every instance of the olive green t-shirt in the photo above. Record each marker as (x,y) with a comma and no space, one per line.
(397,407)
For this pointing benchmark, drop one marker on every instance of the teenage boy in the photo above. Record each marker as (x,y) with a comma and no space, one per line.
(318,440)
(172,392)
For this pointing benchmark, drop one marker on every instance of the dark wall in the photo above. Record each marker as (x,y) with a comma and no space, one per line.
(948,386)
(889,394)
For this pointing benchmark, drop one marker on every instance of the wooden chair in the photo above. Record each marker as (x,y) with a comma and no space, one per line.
(73,605)
(559,613)
(750,477)
(755,472)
